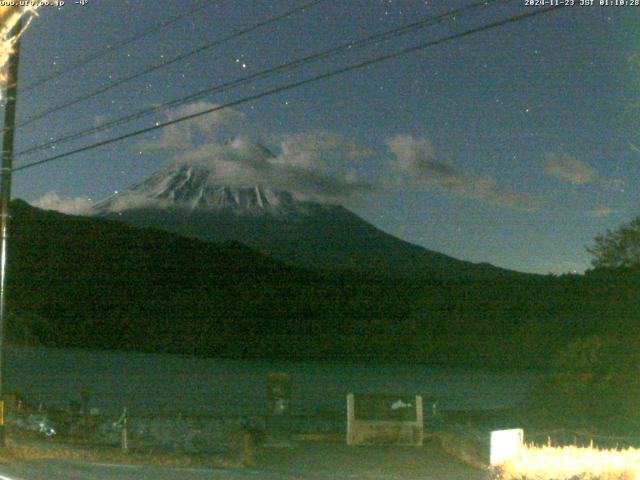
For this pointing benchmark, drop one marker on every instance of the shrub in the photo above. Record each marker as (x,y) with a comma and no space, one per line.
(595,383)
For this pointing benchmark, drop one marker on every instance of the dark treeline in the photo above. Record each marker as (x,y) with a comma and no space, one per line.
(95,283)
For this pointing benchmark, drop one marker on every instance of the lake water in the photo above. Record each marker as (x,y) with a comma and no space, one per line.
(155,383)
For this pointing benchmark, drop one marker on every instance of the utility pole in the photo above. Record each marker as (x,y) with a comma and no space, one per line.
(5,198)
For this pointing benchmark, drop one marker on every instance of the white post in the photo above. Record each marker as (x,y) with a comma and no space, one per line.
(419,420)
(350,418)
(125,439)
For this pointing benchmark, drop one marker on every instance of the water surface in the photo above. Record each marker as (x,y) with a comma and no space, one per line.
(153,383)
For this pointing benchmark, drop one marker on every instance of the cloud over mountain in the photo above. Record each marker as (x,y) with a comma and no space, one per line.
(71,206)
(312,165)
(301,165)
(317,165)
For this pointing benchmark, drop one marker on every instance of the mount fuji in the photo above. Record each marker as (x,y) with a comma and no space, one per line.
(189,200)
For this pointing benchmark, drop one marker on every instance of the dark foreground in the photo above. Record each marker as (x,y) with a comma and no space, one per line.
(338,461)
(306,461)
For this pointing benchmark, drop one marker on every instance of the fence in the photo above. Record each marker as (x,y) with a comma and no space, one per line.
(185,433)
(80,422)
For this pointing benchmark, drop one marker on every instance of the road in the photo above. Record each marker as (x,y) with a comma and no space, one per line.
(70,470)
(304,462)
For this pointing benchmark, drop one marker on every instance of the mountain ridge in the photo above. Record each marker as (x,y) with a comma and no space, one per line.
(188,200)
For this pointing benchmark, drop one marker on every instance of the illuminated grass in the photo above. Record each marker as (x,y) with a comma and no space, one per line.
(575,463)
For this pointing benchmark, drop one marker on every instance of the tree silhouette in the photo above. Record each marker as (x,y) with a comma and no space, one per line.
(618,248)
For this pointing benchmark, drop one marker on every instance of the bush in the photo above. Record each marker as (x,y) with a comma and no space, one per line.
(595,383)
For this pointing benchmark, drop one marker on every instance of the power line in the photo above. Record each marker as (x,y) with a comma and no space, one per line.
(376,38)
(300,83)
(110,48)
(161,65)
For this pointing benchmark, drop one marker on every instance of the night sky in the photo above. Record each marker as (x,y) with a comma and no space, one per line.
(514,146)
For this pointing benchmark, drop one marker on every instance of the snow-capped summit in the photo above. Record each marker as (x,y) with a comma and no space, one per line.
(191,187)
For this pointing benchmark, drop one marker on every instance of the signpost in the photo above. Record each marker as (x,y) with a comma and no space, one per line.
(505,445)
(388,419)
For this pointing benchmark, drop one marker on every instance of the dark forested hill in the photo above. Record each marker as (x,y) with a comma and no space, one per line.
(96,283)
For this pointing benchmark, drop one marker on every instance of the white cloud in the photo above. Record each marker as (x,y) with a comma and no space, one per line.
(416,160)
(569,169)
(322,146)
(301,164)
(310,165)
(214,126)
(487,189)
(132,200)
(71,206)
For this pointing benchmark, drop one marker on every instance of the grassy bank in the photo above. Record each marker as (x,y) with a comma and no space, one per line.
(571,463)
